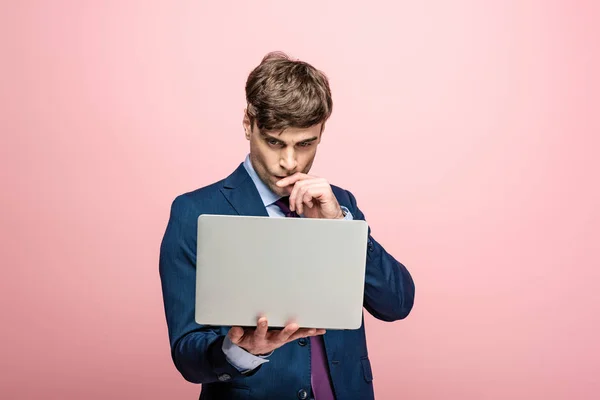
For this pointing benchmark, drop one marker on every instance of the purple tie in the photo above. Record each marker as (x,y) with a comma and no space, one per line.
(319,375)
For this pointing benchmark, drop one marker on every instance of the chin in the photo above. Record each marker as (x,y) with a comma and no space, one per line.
(280,191)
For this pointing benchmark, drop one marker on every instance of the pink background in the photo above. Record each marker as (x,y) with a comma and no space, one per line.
(468,131)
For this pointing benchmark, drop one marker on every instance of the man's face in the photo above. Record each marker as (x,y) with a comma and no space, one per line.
(275,155)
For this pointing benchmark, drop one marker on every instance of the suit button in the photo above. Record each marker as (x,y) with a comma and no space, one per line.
(224,377)
(302,341)
(302,394)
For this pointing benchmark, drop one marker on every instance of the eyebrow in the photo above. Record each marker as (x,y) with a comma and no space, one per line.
(312,139)
(267,136)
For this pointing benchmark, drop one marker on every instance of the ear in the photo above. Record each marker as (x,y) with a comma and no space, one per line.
(246,124)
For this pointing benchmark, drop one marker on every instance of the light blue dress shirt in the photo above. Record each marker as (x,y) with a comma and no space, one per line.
(238,357)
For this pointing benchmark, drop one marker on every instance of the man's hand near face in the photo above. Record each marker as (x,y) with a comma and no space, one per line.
(260,340)
(311,196)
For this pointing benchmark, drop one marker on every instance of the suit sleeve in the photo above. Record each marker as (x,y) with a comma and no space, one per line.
(389,287)
(196,350)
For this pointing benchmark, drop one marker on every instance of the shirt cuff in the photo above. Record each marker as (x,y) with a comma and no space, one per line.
(348,215)
(240,358)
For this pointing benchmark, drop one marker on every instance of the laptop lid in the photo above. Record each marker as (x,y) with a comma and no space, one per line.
(308,271)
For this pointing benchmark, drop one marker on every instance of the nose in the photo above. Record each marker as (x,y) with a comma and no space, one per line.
(288,161)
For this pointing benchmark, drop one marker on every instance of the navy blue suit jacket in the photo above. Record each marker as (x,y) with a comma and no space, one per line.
(196,350)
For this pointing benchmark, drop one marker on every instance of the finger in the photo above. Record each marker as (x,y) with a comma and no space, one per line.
(301,198)
(300,333)
(261,328)
(294,195)
(320,193)
(290,180)
(307,199)
(315,332)
(288,331)
(313,191)
(235,334)
(306,332)
(291,200)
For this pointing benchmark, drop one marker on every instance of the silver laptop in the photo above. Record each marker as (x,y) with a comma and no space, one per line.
(308,271)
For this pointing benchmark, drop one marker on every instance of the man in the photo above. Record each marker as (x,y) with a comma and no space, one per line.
(288,103)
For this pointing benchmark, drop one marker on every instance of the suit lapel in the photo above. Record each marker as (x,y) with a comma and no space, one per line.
(241,193)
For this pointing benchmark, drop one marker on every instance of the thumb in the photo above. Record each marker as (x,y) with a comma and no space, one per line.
(235,334)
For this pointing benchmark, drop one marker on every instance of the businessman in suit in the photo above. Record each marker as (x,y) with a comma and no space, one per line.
(288,104)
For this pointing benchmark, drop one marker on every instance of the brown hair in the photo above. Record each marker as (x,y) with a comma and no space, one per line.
(283,93)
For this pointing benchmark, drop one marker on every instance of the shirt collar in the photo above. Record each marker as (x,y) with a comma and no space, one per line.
(267,196)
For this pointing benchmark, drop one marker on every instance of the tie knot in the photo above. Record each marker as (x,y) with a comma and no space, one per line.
(284,205)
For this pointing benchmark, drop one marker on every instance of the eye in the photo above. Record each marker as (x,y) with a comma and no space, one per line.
(304,144)
(272,142)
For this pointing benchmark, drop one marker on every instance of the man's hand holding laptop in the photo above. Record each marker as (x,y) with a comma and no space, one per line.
(260,340)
